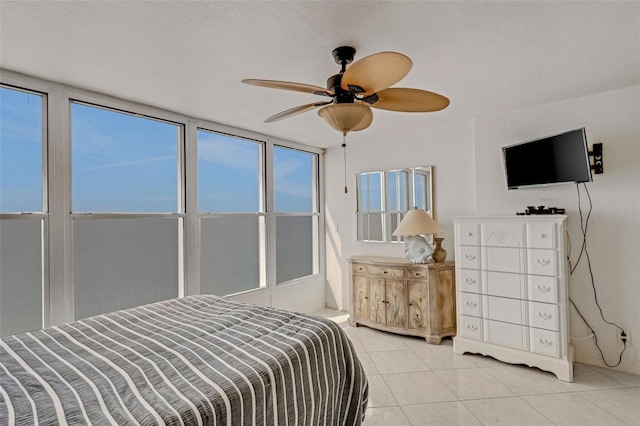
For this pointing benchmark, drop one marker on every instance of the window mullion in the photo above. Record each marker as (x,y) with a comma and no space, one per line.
(192,253)
(270,231)
(59,194)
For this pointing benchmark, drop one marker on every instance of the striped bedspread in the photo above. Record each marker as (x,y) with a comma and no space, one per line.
(198,360)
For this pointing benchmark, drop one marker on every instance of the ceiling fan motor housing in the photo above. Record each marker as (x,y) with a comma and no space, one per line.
(341,96)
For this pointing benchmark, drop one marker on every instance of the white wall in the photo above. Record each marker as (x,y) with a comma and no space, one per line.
(469,179)
(612,118)
(448,149)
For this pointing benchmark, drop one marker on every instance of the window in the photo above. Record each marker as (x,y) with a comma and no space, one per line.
(297,213)
(23,219)
(125,200)
(130,205)
(21,148)
(231,212)
(123,163)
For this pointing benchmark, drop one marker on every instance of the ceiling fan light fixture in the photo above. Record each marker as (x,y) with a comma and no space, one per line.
(347,117)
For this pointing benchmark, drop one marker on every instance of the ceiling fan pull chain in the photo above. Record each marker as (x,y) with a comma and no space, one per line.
(344,148)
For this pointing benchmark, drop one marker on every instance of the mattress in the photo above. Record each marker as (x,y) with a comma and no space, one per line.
(197,360)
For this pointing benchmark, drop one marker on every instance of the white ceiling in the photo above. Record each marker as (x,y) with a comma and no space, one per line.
(189,57)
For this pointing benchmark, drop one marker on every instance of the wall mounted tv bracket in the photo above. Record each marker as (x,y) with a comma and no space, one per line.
(597,159)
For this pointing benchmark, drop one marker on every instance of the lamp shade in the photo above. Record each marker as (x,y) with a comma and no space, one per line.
(347,117)
(417,222)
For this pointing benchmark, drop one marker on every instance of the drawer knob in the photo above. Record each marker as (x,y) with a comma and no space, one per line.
(417,274)
(544,315)
(545,342)
(544,288)
(470,280)
(542,236)
(471,304)
(469,234)
(543,262)
(472,327)
(385,272)
(470,256)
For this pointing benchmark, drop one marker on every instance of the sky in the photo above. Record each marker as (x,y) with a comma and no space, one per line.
(126,163)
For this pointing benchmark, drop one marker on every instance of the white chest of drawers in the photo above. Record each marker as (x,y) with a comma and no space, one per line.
(512,291)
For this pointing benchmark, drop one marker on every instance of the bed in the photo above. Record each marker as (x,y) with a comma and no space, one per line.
(197,360)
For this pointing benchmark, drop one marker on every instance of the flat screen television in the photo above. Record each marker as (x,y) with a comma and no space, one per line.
(562,158)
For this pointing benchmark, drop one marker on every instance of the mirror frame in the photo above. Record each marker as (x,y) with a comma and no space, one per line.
(391,211)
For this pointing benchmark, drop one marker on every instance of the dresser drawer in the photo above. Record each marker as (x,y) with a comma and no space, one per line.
(470,327)
(505,334)
(504,309)
(541,235)
(543,315)
(469,280)
(470,304)
(501,234)
(503,259)
(503,284)
(545,342)
(542,262)
(468,258)
(543,289)
(468,234)
(384,271)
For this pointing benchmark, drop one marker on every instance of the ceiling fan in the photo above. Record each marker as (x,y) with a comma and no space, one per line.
(357,89)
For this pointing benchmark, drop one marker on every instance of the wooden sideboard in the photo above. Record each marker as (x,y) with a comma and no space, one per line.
(393,295)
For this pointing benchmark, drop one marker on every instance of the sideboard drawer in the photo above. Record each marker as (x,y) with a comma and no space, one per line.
(469,280)
(386,271)
(359,268)
(542,262)
(416,273)
(543,315)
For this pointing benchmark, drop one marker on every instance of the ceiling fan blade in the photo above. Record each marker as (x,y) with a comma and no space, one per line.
(410,100)
(289,85)
(295,111)
(376,72)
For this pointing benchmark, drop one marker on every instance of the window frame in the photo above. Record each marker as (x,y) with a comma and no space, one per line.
(261,213)
(315,214)
(43,216)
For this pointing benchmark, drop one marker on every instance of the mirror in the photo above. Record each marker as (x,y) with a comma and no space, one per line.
(384,197)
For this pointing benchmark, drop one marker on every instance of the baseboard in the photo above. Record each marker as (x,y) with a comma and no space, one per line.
(597,362)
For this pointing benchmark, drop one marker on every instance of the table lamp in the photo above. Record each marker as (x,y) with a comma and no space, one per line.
(413,226)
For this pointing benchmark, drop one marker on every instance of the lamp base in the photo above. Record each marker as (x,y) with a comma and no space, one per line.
(417,249)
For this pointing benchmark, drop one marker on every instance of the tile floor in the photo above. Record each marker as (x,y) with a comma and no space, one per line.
(414,383)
